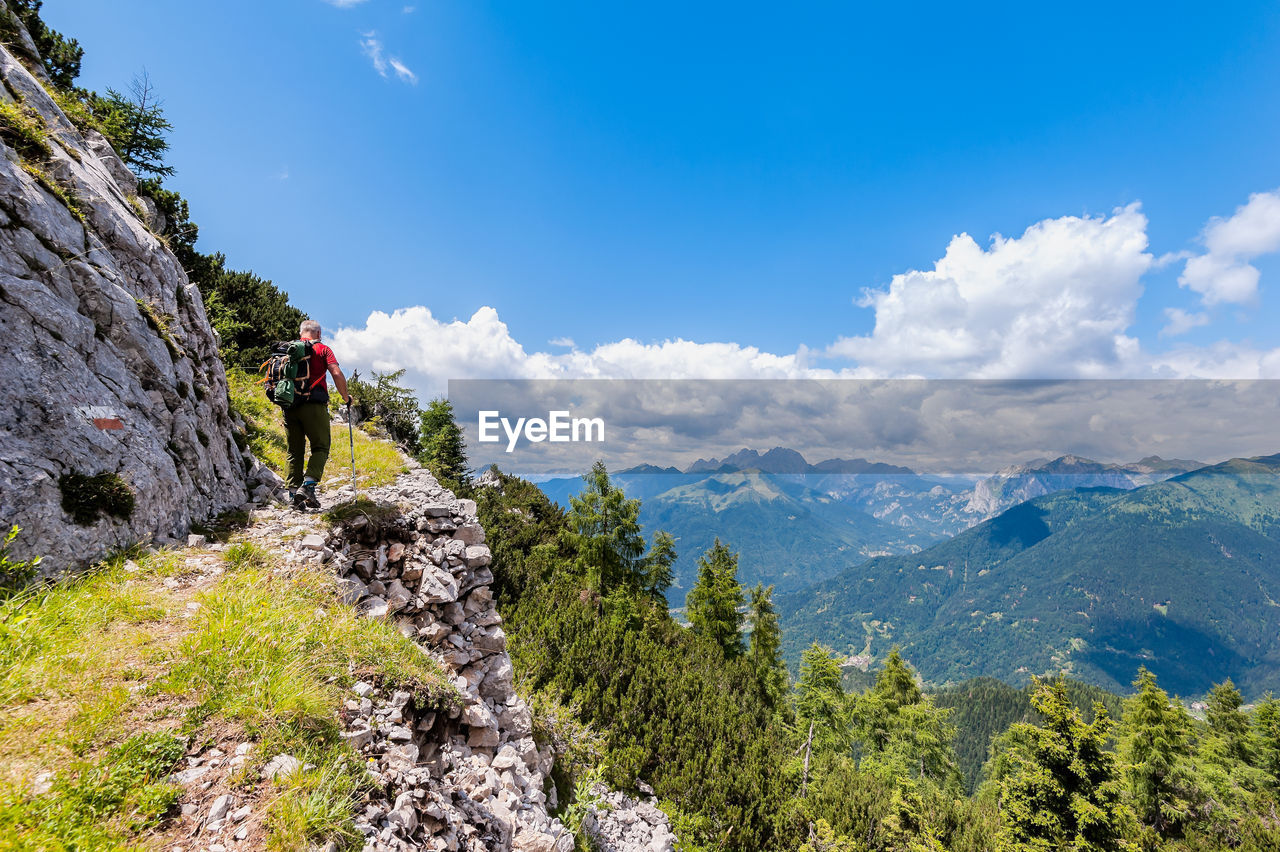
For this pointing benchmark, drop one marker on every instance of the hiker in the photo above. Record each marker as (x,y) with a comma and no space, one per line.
(308,421)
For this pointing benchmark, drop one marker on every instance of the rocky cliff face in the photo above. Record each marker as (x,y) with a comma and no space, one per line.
(110,382)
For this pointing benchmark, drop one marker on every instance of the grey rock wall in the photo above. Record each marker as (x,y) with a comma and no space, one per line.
(87,383)
(472,778)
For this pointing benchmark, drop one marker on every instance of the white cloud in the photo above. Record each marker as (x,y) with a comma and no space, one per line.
(1055,301)
(403,72)
(1224,272)
(409,10)
(1180,321)
(344,4)
(434,351)
(372,48)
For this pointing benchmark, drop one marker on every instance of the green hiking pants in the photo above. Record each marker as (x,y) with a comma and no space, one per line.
(309,422)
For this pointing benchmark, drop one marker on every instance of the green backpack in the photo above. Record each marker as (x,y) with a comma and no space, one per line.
(287,373)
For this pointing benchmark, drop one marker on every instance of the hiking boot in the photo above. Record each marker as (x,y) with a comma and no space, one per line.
(297,500)
(308,495)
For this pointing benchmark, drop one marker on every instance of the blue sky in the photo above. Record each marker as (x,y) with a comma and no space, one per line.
(710,189)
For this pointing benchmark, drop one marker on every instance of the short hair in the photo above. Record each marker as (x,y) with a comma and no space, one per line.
(310,328)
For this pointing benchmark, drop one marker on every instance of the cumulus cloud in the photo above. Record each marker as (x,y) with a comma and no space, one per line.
(1180,321)
(1224,272)
(433,351)
(1055,301)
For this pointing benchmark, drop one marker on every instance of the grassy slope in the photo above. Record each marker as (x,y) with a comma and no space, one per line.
(107,681)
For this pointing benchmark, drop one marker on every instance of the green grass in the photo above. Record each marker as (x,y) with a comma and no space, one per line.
(70,656)
(272,654)
(86,498)
(378,462)
(264,424)
(100,804)
(106,678)
(22,128)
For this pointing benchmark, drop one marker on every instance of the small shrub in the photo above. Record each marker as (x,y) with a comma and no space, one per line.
(22,129)
(14,575)
(160,323)
(85,498)
(76,111)
(245,555)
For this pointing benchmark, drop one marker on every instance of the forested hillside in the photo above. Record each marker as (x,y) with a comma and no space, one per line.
(1180,576)
(743,758)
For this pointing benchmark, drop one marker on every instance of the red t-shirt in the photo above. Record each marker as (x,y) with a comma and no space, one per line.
(322,358)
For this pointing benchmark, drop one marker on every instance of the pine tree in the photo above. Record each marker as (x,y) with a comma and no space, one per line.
(61,56)
(1155,748)
(714,601)
(657,571)
(604,530)
(1266,735)
(444,450)
(820,701)
(135,126)
(247,311)
(1059,787)
(895,687)
(766,640)
(1227,721)
(902,733)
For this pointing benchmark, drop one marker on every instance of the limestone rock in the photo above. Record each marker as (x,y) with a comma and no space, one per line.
(89,382)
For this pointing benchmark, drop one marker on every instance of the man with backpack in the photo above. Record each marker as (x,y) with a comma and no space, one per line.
(307,419)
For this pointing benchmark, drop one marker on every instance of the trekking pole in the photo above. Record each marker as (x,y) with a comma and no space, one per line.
(351,436)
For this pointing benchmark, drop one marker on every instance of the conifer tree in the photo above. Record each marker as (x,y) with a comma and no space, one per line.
(604,530)
(820,700)
(1060,788)
(657,572)
(902,733)
(1266,734)
(895,687)
(444,450)
(61,56)
(1155,748)
(136,127)
(715,599)
(766,639)
(1227,721)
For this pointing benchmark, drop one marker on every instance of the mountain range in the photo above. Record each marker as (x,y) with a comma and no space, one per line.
(1180,575)
(795,524)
